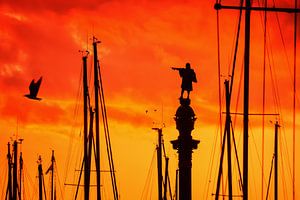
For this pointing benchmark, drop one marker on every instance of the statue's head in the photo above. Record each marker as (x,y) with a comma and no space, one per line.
(188,66)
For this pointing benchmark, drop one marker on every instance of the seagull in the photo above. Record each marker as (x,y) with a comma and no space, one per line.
(34,89)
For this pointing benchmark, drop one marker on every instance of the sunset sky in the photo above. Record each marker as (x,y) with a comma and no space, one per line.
(140,42)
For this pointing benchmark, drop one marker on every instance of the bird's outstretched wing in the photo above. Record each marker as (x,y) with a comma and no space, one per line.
(31,86)
(37,85)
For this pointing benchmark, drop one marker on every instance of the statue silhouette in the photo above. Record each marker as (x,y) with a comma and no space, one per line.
(188,77)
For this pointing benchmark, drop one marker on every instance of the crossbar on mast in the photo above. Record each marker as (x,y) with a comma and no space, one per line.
(219,6)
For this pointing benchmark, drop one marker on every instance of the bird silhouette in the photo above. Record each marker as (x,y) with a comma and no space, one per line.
(34,89)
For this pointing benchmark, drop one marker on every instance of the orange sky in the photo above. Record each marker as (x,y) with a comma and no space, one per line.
(141,40)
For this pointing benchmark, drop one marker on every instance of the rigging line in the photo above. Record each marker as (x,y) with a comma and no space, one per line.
(151,188)
(48,186)
(4,167)
(235,145)
(252,157)
(108,147)
(294,97)
(90,74)
(264,101)
(282,170)
(219,83)
(168,177)
(285,51)
(278,105)
(238,95)
(273,76)
(57,175)
(256,149)
(219,72)
(163,146)
(220,166)
(235,116)
(28,178)
(283,44)
(277,100)
(233,68)
(294,94)
(4,180)
(236,49)
(24,186)
(212,155)
(274,83)
(149,174)
(43,183)
(270,176)
(232,80)
(72,132)
(237,158)
(80,163)
(106,131)
(35,190)
(79,178)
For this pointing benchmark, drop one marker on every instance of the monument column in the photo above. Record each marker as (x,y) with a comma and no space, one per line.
(185,119)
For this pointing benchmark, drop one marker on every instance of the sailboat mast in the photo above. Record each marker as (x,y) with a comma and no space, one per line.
(20,176)
(166,178)
(15,171)
(52,175)
(85,129)
(246,98)
(294,97)
(276,162)
(159,163)
(40,175)
(9,182)
(96,85)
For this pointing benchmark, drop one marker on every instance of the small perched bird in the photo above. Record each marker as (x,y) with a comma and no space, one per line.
(34,89)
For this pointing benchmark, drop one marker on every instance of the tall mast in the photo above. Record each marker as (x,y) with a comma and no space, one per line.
(20,176)
(85,129)
(246,98)
(159,163)
(276,162)
(166,178)
(96,85)
(52,176)
(15,171)
(9,182)
(99,90)
(90,144)
(294,98)
(40,176)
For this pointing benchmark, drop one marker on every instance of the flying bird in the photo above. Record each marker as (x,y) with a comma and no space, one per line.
(34,89)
